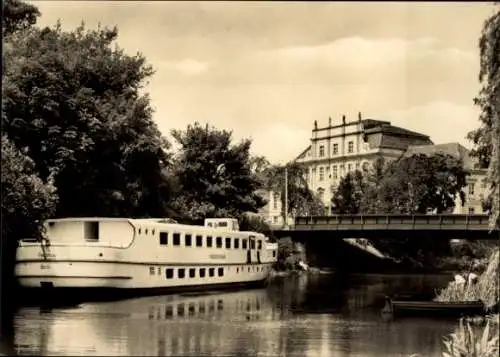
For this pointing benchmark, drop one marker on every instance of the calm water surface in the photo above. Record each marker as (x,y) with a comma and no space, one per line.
(324,315)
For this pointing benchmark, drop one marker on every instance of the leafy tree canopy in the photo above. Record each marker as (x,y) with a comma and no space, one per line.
(26,199)
(487,137)
(17,16)
(73,101)
(214,176)
(301,200)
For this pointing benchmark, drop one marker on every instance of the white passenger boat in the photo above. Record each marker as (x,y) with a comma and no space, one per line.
(143,254)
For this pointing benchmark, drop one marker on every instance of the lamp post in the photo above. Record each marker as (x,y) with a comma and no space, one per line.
(286,198)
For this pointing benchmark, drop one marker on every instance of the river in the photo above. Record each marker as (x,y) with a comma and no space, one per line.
(322,315)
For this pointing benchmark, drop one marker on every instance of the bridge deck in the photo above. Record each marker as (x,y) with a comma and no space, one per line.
(476,226)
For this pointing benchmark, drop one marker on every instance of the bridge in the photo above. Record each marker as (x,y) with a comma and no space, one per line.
(444,226)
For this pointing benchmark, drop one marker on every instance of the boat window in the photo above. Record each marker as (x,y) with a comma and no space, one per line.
(237,269)
(146,231)
(202,272)
(151,270)
(210,224)
(211,271)
(244,244)
(181,273)
(91,230)
(222,224)
(163,238)
(169,273)
(218,242)
(139,231)
(228,243)
(249,269)
(187,240)
(221,271)
(259,244)
(177,238)
(199,241)
(209,241)
(159,271)
(236,243)
(192,272)
(153,232)
(252,244)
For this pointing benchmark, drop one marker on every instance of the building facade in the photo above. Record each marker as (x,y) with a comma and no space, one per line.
(346,146)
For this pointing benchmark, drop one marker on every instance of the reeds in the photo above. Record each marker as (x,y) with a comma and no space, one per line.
(486,288)
(469,341)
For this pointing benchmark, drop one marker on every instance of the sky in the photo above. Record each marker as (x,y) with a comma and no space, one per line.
(268,70)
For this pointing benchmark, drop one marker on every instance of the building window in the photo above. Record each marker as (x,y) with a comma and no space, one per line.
(151,270)
(365,166)
(259,244)
(169,273)
(334,171)
(321,150)
(199,241)
(471,210)
(163,238)
(192,272)
(244,243)
(202,272)
(342,169)
(350,147)
(349,167)
(252,244)
(177,238)
(357,166)
(236,243)
(187,240)
(209,241)
(335,149)
(275,200)
(228,243)
(275,219)
(218,242)
(181,273)
(211,272)
(321,173)
(471,188)
(274,254)
(221,271)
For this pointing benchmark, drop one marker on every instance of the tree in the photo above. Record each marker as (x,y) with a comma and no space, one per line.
(214,176)
(348,195)
(73,102)
(421,183)
(301,200)
(26,199)
(487,137)
(17,16)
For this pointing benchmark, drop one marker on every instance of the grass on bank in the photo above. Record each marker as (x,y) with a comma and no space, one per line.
(486,289)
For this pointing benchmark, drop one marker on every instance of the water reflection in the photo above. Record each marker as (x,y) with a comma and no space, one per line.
(297,316)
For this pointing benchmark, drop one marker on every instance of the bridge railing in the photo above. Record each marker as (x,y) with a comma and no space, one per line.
(395,221)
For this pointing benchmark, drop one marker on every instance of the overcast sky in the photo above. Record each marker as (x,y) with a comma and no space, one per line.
(267,70)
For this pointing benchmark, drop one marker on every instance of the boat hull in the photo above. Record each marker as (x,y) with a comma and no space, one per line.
(50,295)
(436,308)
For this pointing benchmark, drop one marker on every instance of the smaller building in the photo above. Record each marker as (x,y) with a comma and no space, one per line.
(477,186)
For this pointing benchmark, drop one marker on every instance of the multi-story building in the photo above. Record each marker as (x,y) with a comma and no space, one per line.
(339,148)
(477,187)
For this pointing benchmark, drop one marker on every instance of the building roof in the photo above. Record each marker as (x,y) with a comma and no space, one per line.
(381,134)
(454,149)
